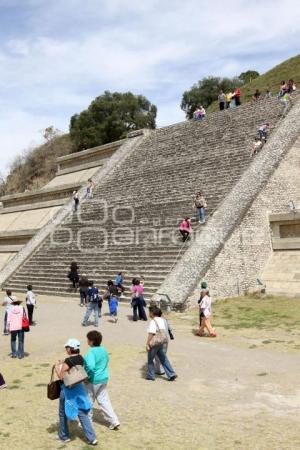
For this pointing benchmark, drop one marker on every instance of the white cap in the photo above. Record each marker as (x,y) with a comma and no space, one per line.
(73,343)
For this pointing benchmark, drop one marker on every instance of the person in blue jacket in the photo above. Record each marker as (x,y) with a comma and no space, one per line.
(73,402)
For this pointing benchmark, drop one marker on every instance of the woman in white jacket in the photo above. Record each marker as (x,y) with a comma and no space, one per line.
(205,308)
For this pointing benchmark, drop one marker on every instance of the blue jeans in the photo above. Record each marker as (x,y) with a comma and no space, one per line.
(13,335)
(91,307)
(83,416)
(201,214)
(160,352)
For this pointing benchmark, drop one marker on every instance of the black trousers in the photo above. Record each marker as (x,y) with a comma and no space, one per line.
(30,309)
(221,106)
(185,235)
(138,309)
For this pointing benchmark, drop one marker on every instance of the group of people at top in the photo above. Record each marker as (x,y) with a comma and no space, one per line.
(285,88)
(231,99)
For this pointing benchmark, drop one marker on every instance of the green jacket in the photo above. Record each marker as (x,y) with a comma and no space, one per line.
(96,365)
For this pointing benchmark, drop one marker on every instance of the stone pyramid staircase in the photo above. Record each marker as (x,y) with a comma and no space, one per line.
(131,225)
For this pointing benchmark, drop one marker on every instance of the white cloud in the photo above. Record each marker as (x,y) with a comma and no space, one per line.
(68,54)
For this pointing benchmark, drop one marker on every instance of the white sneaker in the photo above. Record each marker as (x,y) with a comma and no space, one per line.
(95,442)
(114,427)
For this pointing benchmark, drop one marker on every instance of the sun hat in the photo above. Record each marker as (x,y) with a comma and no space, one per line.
(73,343)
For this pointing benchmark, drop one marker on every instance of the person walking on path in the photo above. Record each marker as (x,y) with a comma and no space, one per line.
(73,402)
(30,303)
(159,370)
(202,294)
(96,365)
(138,302)
(7,302)
(201,205)
(92,305)
(15,327)
(185,229)
(205,308)
(83,289)
(157,326)
(221,100)
(113,307)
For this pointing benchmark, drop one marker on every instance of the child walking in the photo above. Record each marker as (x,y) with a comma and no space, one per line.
(113,308)
(30,303)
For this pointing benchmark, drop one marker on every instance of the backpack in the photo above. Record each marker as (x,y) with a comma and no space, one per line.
(94,298)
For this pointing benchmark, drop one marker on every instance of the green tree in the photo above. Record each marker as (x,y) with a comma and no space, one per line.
(247,77)
(205,92)
(109,118)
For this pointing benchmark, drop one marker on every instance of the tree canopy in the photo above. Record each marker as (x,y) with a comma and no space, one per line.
(247,77)
(110,117)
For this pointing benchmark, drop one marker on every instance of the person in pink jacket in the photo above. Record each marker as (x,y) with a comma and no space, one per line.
(14,324)
(185,229)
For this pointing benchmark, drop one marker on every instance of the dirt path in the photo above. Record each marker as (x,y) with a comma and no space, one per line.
(226,396)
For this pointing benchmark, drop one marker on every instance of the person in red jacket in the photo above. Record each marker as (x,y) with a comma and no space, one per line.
(237,96)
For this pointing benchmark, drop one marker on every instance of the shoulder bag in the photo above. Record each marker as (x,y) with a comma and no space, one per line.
(53,388)
(159,338)
(25,322)
(74,375)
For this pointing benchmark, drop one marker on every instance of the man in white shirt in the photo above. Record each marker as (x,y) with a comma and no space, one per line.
(157,337)
(7,301)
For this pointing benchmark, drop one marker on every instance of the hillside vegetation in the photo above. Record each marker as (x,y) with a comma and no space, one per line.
(270,80)
(36,166)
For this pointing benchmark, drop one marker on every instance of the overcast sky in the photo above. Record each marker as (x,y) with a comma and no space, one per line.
(58,55)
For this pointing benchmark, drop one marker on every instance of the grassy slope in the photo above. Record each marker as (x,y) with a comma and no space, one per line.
(270,80)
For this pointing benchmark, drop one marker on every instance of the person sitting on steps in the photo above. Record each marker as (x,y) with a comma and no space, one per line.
(263,131)
(256,146)
(200,113)
(185,229)
(256,96)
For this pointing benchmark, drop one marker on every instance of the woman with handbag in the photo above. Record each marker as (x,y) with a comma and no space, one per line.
(159,370)
(96,364)
(16,325)
(73,401)
(157,338)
